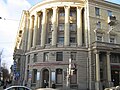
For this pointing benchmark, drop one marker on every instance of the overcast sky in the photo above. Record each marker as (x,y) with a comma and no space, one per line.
(10,11)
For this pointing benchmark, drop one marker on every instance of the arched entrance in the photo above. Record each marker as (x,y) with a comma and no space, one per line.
(45,76)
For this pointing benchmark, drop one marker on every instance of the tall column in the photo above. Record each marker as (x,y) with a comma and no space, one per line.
(23,46)
(97,84)
(30,33)
(27,29)
(54,27)
(79,26)
(108,69)
(39,29)
(43,33)
(67,31)
(35,30)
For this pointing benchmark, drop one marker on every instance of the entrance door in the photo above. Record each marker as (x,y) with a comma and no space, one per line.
(115,77)
(45,75)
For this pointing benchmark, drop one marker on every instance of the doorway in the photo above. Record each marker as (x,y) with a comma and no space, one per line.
(45,76)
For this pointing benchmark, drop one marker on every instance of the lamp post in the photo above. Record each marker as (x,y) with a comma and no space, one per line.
(70,70)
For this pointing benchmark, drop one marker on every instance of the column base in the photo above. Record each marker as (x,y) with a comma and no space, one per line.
(98,86)
(109,84)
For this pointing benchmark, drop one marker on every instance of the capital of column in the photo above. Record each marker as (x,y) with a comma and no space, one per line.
(79,8)
(66,7)
(39,13)
(96,52)
(108,53)
(32,17)
(26,13)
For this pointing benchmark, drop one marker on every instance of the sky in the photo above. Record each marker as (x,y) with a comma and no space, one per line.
(10,11)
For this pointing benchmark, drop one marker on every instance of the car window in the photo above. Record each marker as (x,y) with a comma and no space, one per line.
(22,88)
(13,88)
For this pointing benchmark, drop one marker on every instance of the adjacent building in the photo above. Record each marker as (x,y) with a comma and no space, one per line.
(72,43)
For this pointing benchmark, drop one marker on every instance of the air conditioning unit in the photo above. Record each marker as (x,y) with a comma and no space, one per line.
(111,20)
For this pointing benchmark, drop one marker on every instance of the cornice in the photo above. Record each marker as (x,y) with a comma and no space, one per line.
(44,2)
(105,3)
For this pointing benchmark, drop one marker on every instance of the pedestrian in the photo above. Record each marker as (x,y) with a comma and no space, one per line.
(44,83)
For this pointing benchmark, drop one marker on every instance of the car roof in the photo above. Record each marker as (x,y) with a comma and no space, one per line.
(17,86)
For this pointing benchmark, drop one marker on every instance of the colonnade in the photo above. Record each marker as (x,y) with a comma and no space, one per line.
(35,23)
(97,66)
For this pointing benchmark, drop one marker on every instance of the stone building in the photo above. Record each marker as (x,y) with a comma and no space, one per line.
(72,43)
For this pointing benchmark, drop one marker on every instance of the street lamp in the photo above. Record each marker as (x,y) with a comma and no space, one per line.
(70,71)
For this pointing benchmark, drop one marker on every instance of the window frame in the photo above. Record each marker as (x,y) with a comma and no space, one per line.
(59,56)
(97,11)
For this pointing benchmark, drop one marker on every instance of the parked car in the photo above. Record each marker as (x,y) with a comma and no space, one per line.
(17,88)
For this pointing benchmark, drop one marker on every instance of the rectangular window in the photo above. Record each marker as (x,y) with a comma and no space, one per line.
(49,40)
(61,27)
(28,59)
(72,40)
(62,13)
(35,58)
(73,14)
(109,13)
(61,40)
(97,11)
(46,55)
(73,55)
(72,27)
(50,27)
(59,56)
(34,75)
(98,25)
(112,39)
